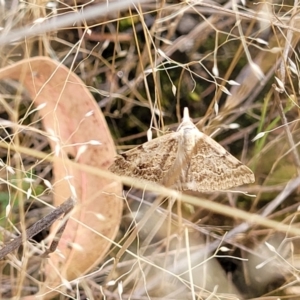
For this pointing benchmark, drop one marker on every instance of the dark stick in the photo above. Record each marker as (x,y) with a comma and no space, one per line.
(40,225)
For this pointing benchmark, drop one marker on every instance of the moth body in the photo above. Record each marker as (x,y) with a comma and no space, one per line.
(186,160)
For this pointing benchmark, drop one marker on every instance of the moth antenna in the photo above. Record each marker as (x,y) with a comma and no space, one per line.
(186,115)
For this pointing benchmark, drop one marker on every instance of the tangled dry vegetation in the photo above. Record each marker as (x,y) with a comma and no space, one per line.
(69,69)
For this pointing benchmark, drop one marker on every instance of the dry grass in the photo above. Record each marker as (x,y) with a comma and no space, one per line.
(143,65)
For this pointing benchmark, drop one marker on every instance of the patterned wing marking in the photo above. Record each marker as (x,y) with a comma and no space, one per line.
(149,161)
(211,168)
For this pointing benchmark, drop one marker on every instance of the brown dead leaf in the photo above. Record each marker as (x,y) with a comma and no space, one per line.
(67,104)
(248,79)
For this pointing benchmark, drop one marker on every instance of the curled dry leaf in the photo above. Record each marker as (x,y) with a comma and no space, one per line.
(67,116)
(249,79)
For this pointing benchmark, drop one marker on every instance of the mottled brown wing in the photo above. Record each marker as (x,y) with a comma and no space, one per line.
(211,168)
(149,161)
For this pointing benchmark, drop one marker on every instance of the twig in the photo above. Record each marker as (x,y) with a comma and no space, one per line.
(290,187)
(289,42)
(287,130)
(40,225)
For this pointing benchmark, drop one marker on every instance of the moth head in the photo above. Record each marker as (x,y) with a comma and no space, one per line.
(186,123)
(186,115)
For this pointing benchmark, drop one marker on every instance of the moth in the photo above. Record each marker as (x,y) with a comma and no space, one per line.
(187,160)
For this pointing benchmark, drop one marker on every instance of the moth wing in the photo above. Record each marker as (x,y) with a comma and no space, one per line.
(211,167)
(149,161)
